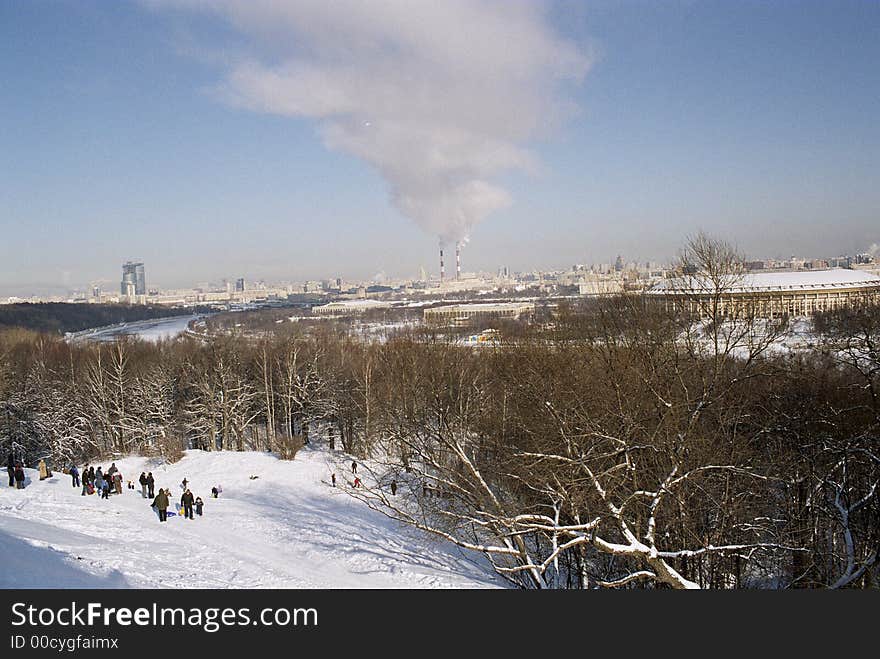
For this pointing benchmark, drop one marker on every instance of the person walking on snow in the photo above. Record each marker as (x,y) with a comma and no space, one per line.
(74,475)
(333,479)
(357,482)
(85,480)
(112,470)
(10,469)
(354,467)
(105,490)
(117,481)
(160,503)
(151,484)
(143,481)
(19,477)
(44,470)
(183,484)
(186,502)
(199,505)
(393,488)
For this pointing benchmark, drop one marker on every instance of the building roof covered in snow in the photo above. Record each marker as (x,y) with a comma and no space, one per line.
(350,307)
(772,282)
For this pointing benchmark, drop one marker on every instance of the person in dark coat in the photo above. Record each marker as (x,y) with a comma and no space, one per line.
(186,502)
(105,490)
(199,506)
(19,477)
(333,479)
(85,480)
(160,503)
(143,481)
(74,475)
(92,476)
(10,469)
(354,467)
(393,488)
(151,483)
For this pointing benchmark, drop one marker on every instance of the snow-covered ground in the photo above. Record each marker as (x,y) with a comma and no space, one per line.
(286,529)
(148,330)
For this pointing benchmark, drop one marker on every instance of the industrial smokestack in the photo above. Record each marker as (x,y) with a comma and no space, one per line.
(442,268)
(457,260)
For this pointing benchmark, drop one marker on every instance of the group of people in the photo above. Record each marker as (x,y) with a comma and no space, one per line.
(188,502)
(148,483)
(357,481)
(95,480)
(16,472)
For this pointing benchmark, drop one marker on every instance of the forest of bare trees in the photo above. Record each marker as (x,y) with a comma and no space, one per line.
(620,445)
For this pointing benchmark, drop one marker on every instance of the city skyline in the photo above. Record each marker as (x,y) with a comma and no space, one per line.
(134,130)
(133,287)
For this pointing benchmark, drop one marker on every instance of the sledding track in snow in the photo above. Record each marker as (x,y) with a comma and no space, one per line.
(285,529)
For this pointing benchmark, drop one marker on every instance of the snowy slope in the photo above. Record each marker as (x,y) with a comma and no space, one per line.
(286,529)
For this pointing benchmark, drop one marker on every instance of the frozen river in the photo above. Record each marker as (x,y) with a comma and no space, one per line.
(149,330)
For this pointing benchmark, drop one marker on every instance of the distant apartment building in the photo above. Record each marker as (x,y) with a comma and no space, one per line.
(597,285)
(134,282)
(240,285)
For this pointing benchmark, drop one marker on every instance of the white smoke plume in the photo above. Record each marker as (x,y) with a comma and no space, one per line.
(874,250)
(440,96)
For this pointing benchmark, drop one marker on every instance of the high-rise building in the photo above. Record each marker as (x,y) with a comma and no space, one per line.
(133,280)
(240,285)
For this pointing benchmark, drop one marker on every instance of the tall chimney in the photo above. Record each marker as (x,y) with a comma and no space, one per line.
(457,260)
(442,268)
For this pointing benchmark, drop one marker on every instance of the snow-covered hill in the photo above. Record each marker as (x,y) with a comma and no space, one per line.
(286,529)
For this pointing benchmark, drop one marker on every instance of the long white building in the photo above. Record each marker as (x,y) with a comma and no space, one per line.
(770,294)
(459,315)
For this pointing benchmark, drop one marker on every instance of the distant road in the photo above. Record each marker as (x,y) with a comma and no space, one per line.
(149,330)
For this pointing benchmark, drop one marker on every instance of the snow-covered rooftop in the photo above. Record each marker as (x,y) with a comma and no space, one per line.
(342,304)
(486,306)
(802,280)
(350,305)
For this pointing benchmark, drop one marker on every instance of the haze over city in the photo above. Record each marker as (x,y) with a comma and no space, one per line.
(227,138)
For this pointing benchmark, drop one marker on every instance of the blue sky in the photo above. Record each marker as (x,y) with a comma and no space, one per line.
(755,121)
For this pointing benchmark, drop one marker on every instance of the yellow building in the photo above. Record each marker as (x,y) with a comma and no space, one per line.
(460,315)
